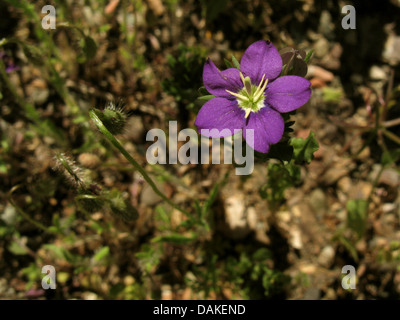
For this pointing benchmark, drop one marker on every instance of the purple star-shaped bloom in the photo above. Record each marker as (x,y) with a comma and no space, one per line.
(251,98)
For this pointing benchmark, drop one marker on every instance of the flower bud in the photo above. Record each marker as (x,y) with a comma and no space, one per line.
(90,197)
(121,207)
(70,170)
(113,118)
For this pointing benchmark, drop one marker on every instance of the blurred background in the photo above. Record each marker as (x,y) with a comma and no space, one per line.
(270,235)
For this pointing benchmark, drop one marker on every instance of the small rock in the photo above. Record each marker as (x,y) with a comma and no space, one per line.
(388,223)
(157,7)
(312,294)
(390,177)
(378,242)
(317,83)
(360,190)
(377,73)
(326,257)
(391,52)
(318,201)
(321,48)
(321,73)
(87,295)
(237,219)
(38,91)
(389,207)
(148,197)
(336,172)
(330,294)
(308,268)
(9,215)
(166,292)
(326,27)
(89,160)
(129,280)
(361,245)
(344,184)
(295,238)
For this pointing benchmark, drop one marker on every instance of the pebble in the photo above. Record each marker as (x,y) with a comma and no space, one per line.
(326,27)
(326,257)
(89,160)
(321,48)
(148,197)
(344,184)
(38,91)
(390,177)
(391,52)
(377,73)
(239,221)
(89,295)
(360,190)
(318,201)
(312,294)
(317,83)
(321,73)
(389,207)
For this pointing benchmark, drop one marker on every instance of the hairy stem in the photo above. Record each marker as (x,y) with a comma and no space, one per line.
(137,166)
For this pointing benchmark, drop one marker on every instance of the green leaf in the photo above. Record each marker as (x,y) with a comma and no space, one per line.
(203,91)
(235,62)
(17,249)
(213,194)
(61,253)
(90,48)
(390,156)
(280,177)
(303,149)
(102,253)
(331,94)
(357,213)
(207,97)
(228,63)
(175,238)
(262,254)
(308,56)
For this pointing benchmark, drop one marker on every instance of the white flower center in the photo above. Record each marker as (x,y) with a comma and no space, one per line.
(251,98)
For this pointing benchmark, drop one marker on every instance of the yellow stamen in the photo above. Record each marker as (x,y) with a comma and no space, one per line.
(258,88)
(262,89)
(242,77)
(247,113)
(237,95)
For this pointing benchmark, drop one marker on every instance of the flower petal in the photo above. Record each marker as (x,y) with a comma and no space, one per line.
(261,58)
(288,93)
(268,126)
(217,82)
(220,113)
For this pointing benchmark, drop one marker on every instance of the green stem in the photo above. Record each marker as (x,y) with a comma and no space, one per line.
(391,136)
(137,166)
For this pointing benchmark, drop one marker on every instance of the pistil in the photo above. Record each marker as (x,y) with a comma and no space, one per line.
(250,97)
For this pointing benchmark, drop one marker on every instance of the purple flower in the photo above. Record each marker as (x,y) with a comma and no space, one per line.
(251,98)
(10,66)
